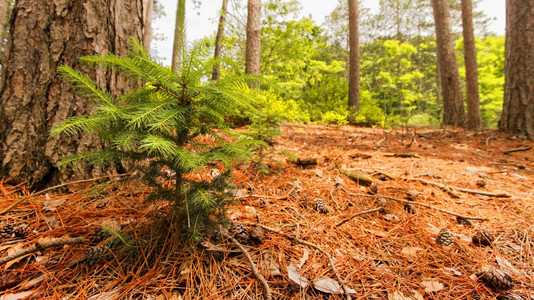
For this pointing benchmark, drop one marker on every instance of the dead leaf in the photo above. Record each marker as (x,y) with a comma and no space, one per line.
(106,295)
(305,256)
(295,276)
(330,286)
(33,282)
(411,251)
(400,296)
(452,272)
(432,286)
(270,266)
(507,266)
(53,204)
(17,296)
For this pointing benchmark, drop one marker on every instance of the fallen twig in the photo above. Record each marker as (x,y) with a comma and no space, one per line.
(310,244)
(469,191)
(358,214)
(268,294)
(416,203)
(40,246)
(57,187)
(526,148)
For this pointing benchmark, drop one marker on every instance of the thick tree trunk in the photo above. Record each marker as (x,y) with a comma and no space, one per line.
(354,57)
(518,109)
(34,97)
(179,37)
(147,30)
(451,88)
(474,119)
(252,55)
(216,75)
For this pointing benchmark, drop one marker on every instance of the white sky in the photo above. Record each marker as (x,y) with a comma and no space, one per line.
(205,23)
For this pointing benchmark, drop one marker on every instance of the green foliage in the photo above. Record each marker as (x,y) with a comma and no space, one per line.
(165,126)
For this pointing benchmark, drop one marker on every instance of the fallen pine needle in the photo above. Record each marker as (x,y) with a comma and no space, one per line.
(358,214)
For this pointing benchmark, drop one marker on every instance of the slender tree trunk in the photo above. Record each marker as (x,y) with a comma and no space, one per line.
(252,56)
(216,75)
(453,108)
(518,108)
(34,97)
(354,58)
(474,119)
(3,17)
(179,37)
(147,14)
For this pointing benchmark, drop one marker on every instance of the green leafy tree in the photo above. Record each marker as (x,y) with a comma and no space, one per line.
(165,127)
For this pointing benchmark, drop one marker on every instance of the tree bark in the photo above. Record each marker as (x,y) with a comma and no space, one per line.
(474,119)
(252,54)
(179,37)
(451,88)
(518,108)
(216,75)
(147,29)
(354,58)
(34,97)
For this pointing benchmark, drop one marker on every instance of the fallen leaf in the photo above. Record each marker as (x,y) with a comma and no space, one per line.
(271,267)
(411,251)
(400,296)
(432,286)
(106,295)
(53,204)
(294,275)
(305,256)
(452,272)
(507,266)
(17,296)
(330,286)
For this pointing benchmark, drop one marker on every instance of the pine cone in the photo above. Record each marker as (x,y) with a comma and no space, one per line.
(412,195)
(96,254)
(381,203)
(483,238)
(6,231)
(495,279)
(320,206)
(372,190)
(444,238)
(481,183)
(21,231)
(257,234)
(240,233)
(463,221)
(409,208)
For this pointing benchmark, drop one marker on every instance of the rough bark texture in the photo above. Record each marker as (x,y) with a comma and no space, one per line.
(179,36)
(518,108)
(354,60)
(474,119)
(34,97)
(216,75)
(451,88)
(147,15)
(252,56)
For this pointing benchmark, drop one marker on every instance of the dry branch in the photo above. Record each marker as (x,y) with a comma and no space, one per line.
(358,214)
(357,177)
(304,161)
(268,294)
(310,244)
(526,148)
(40,246)
(416,203)
(469,191)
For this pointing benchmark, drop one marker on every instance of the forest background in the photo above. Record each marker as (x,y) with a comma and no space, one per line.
(399,84)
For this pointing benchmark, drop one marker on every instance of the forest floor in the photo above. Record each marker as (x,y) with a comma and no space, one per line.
(379,240)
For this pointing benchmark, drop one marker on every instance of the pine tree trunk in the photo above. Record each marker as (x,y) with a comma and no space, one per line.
(216,75)
(252,55)
(147,15)
(179,36)
(518,108)
(34,97)
(451,88)
(474,119)
(354,58)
